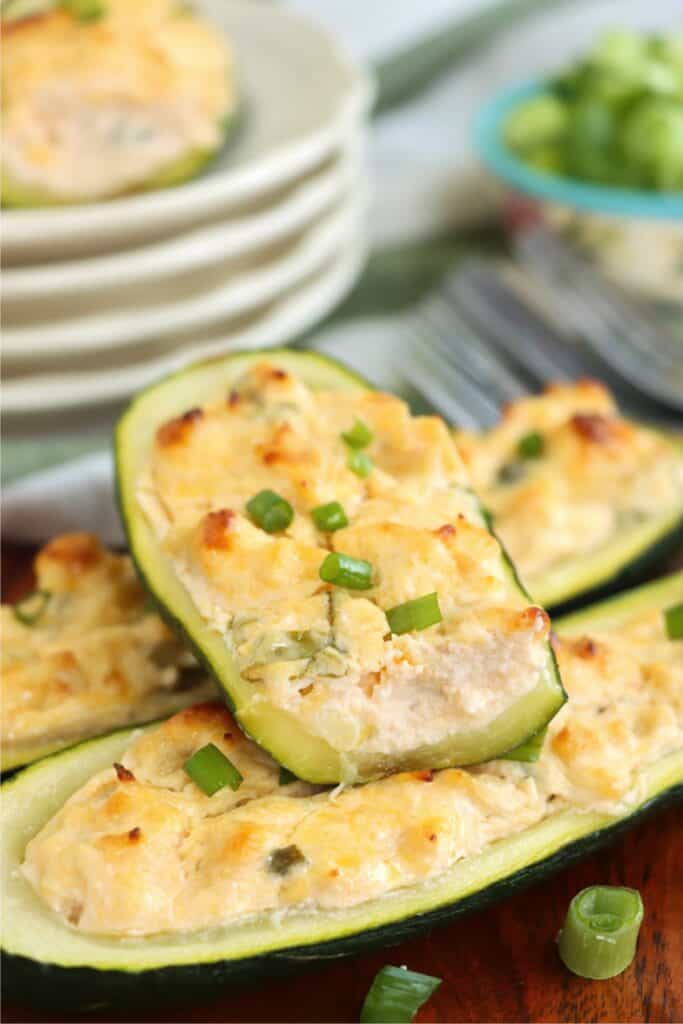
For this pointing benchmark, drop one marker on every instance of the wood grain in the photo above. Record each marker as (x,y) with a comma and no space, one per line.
(497,965)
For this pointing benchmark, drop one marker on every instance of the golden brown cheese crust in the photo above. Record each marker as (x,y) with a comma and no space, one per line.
(324,653)
(96,657)
(99,107)
(598,474)
(140,849)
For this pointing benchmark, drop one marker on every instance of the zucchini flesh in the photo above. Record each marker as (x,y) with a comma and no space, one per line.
(308,756)
(40,949)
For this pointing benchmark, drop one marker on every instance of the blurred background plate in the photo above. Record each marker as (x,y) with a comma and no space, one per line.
(95,383)
(300,97)
(298,206)
(192,302)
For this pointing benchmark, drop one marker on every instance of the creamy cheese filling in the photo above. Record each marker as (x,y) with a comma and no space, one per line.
(597,476)
(95,657)
(97,108)
(327,653)
(140,849)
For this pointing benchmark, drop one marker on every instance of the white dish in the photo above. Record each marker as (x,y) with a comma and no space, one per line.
(278,324)
(201,247)
(301,96)
(149,316)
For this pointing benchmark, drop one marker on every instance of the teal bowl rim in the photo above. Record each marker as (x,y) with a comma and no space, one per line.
(491,148)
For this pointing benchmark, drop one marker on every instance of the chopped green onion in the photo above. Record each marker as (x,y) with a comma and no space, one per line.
(211,770)
(359,463)
(85,10)
(286,776)
(396,994)
(601,931)
(359,436)
(282,860)
(414,615)
(673,617)
(330,517)
(529,751)
(345,571)
(30,608)
(269,511)
(531,445)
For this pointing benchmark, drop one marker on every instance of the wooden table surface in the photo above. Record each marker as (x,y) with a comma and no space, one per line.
(497,965)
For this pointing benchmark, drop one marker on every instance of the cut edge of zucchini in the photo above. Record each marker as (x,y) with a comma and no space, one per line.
(279,732)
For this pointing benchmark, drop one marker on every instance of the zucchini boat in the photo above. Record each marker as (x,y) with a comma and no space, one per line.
(108,97)
(85,654)
(331,897)
(394,637)
(583,499)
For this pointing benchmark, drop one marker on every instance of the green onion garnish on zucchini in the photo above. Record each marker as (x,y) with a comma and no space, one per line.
(528,751)
(531,445)
(359,436)
(359,463)
(329,517)
(673,618)
(345,571)
(211,770)
(396,995)
(420,613)
(270,511)
(30,609)
(600,933)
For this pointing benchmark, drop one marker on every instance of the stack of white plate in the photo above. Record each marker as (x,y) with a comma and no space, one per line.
(99,300)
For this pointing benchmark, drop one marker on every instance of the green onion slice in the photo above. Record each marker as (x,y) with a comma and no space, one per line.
(528,751)
(345,571)
(414,615)
(359,436)
(531,445)
(673,618)
(31,608)
(359,463)
(600,933)
(270,511)
(286,776)
(396,995)
(211,770)
(330,517)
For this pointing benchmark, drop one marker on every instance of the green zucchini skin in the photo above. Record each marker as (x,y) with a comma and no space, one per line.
(80,987)
(306,755)
(83,988)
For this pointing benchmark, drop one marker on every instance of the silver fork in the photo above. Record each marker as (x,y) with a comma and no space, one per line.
(629,340)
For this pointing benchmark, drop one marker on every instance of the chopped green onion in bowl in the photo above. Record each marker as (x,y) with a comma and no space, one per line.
(211,770)
(396,994)
(270,511)
(600,932)
(412,616)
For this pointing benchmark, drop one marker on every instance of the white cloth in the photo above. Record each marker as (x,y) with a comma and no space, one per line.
(422,164)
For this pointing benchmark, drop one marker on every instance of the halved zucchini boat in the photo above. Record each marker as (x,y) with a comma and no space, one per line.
(50,961)
(84,654)
(314,669)
(583,498)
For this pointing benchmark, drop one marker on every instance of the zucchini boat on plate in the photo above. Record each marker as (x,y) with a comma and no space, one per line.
(581,497)
(85,654)
(202,890)
(324,553)
(105,97)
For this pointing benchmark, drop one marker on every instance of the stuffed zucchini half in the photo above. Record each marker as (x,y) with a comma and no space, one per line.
(84,654)
(323,552)
(204,890)
(106,97)
(582,498)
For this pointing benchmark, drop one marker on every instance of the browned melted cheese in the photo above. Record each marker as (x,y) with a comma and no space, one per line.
(96,656)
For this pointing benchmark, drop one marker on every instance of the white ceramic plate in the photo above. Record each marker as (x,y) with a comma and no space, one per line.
(281,321)
(195,303)
(201,247)
(301,95)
